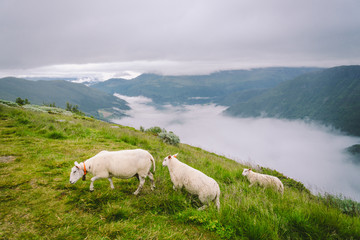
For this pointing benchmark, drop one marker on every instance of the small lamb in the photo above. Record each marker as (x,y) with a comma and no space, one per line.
(263,180)
(194,181)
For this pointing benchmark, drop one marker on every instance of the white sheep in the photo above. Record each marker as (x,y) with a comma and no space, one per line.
(263,180)
(121,164)
(194,181)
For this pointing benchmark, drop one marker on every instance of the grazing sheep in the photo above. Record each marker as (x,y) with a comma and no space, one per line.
(263,180)
(194,181)
(121,164)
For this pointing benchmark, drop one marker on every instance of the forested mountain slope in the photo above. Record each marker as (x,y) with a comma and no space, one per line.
(60,92)
(224,87)
(331,96)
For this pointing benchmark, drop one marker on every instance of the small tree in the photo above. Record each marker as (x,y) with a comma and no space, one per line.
(22,101)
(74,109)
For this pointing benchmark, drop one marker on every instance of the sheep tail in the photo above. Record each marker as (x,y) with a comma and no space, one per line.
(153,162)
(217,201)
(281,188)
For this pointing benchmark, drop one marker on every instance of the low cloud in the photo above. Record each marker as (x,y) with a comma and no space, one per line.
(308,152)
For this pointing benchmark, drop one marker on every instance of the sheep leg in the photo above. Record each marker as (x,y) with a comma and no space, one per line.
(111,183)
(92,183)
(217,202)
(202,208)
(142,181)
(151,177)
(204,200)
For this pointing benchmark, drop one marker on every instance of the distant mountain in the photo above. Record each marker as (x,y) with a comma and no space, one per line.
(91,101)
(331,96)
(50,78)
(224,87)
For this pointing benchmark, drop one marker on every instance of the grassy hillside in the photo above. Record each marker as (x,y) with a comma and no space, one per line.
(37,151)
(224,87)
(91,101)
(331,96)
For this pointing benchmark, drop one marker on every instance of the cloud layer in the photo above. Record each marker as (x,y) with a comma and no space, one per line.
(169,37)
(307,152)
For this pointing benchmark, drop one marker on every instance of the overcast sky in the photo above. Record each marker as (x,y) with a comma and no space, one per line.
(106,38)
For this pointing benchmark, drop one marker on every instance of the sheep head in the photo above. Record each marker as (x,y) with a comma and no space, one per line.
(76,173)
(246,171)
(167,159)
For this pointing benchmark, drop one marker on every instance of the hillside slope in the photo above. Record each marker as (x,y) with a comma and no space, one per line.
(331,96)
(37,151)
(59,92)
(222,87)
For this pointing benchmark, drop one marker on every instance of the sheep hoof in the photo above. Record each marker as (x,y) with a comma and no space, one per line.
(202,208)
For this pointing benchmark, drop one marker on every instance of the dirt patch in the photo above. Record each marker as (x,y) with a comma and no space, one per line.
(7,159)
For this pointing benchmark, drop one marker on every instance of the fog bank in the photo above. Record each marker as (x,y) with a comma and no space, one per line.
(308,152)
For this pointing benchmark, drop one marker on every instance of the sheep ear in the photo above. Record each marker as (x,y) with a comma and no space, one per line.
(169,157)
(175,156)
(76,165)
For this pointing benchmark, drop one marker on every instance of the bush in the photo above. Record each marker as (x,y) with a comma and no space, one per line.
(345,205)
(74,109)
(154,130)
(22,101)
(169,137)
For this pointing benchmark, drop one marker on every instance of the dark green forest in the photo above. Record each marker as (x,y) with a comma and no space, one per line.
(330,96)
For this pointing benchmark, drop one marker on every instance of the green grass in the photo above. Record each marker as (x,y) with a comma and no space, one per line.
(38,202)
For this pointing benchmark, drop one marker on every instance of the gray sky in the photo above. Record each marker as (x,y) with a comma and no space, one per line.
(106,38)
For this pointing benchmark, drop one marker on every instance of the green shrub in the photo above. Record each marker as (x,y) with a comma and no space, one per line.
(166,137)
(154,130)
(345,205)
(169,137)
(22,101)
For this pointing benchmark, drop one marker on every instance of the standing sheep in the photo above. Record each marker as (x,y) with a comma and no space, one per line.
(194,181)
(263,180)
(121,164)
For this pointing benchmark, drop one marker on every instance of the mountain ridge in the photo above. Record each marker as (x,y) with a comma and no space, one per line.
(218,87)
(60,92)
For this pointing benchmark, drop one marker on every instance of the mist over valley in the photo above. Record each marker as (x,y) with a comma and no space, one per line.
(304,150)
